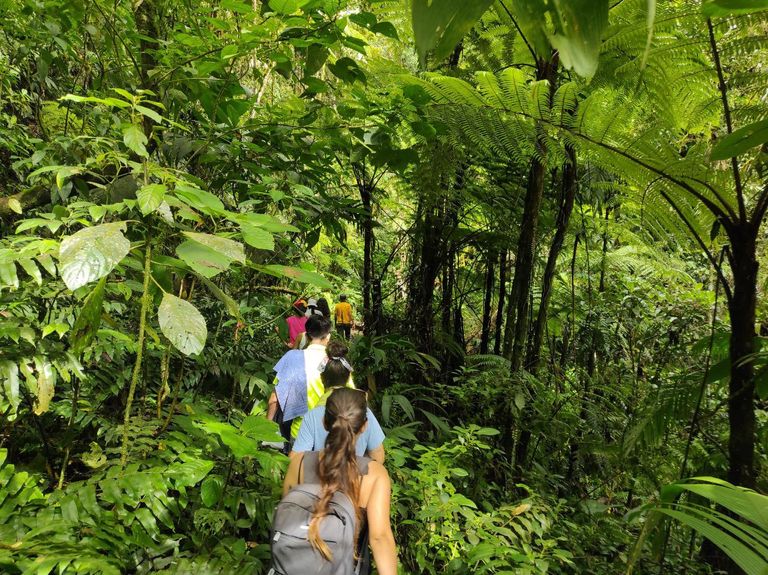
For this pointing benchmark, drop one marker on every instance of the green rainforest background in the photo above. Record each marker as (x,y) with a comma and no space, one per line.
(548,216)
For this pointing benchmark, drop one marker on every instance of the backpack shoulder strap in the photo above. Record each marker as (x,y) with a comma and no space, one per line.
(301,466)
(309,466)
(362,464)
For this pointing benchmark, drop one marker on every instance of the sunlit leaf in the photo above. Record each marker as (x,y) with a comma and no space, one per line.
(136,140)
(150,197)
(439,25)
(29,266)
(199,199)
(92,253)
(149,113)
(229,248)
(286,6)
(8,275)
(182,324)
(15,205)
(728,7)
(265,221)
(46,383)
(741,140)
(579,26)
(203,259)
(298,274)
(258,238)
(9,372)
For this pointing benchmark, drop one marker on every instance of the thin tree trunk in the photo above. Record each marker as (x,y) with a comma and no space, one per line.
(601,284)
(570,179)
(490,276)
(500,305)
(526,245)
(509,328)
(446,304)
(517,314)
(366,197)
(425,268)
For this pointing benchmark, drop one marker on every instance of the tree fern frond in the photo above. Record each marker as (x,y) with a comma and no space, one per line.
(564,104)
(539,102)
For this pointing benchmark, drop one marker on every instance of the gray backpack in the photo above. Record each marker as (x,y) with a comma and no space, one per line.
(293,554)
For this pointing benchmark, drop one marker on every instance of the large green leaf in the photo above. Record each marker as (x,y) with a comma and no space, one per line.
(29,266)
(298,274)
(9,372)
(203,259)
(199,199)
(258,238)
(8,275)
(579,25)
(89,319)
(745,502)
(240,445)
(211,490)
(182,324)
(46,384)
(286,6)
(260,428)
(439,25)
(746,543)
(573,27)
(727,7)
(741,140)
(743,555)
(228,248)
(92,253)
(189,472)
(134,138)
(150,197)
(265,221)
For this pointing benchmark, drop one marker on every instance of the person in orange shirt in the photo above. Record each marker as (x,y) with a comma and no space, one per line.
(343,315)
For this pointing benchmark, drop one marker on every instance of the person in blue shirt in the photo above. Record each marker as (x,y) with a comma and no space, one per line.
(335,372)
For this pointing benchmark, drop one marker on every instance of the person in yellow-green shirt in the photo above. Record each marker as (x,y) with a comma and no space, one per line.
(343,316)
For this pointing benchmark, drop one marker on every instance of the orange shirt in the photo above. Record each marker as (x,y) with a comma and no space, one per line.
(343,313)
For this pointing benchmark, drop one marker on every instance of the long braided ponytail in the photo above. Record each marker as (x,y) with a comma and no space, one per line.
(345,415)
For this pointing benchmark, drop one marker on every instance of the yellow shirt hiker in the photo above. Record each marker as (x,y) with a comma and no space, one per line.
(342,314)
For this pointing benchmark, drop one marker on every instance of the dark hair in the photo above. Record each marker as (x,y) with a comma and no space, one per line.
(299,309)
(345,415)
(342,297)
(335,374)
(317,327)
(322,306)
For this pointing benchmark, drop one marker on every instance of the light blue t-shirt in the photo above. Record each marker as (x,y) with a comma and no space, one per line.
(312,434)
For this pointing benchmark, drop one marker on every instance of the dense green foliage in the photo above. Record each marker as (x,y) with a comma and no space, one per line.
(547,215)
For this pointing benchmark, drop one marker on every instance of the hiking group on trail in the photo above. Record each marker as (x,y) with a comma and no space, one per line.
(302,309)
(336,492)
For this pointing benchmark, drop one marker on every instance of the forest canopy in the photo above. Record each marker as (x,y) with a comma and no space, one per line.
(548,219)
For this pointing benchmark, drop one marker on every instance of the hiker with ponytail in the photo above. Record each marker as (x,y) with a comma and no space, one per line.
(339,475)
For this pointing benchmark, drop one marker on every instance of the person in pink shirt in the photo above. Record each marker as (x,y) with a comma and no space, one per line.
(296,322)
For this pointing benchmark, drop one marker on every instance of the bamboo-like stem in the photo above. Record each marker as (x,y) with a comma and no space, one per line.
(72,415)
(164,369)
(139,354)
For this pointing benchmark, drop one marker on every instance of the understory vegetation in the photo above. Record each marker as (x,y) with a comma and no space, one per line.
(549,220)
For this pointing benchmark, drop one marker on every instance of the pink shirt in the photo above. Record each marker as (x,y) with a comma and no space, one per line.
(295,327)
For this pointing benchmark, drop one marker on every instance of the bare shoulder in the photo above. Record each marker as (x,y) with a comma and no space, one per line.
(377,471)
